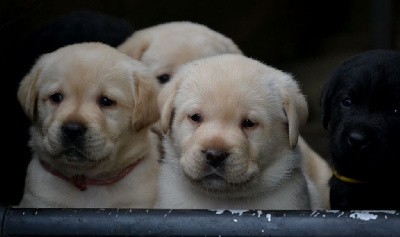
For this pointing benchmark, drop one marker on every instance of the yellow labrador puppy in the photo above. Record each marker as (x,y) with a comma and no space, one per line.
(231,129)
(91,107)
(165,47)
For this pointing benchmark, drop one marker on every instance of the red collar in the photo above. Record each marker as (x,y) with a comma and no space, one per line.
(81,181)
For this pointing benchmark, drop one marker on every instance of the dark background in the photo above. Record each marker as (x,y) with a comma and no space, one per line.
(308,39)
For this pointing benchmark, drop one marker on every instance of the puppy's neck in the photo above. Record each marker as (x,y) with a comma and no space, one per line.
(82,181)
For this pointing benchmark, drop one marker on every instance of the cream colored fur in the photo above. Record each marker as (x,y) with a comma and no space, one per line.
(114,97)
(165,47)
(317,172)
(248,110)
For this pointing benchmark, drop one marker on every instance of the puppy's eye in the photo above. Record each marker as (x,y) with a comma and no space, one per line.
(163,78)
(196,118)
(347,102)
(248,123)
(396,111)
(106,102)
(56,98)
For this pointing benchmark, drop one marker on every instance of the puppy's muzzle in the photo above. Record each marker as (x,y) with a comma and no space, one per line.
(215,157)
(358,139)
(73,133)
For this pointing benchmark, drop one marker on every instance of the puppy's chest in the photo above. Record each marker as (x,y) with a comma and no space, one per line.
(176,192)
(192,199)
(67,195)
(53,191)
(92,197)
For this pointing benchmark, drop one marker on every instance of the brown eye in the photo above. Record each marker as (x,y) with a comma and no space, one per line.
(196,118)
(247,123)
(346,102)
(106,102)
(56,98)
(163,78)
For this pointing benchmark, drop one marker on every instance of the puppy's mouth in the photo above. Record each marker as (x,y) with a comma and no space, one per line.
(73,156)
(74,153)
(216,182)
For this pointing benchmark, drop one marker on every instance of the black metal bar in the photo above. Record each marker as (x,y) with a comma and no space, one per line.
(158,222)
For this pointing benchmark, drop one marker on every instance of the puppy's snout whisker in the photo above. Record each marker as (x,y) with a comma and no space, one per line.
(73,131)
(358,139)
(215,157)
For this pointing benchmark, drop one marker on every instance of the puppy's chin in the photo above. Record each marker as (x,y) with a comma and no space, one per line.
(71,160)
(75,158)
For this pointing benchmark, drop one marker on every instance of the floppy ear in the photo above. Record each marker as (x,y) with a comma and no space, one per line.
(135,46)
(28,92)
(145,111)
(328,91)
(295,107)
(166,103)
(325,100)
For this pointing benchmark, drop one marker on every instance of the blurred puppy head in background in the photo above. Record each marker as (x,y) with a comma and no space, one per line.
(165,47)
(232,126)
(361,110)
(91,108)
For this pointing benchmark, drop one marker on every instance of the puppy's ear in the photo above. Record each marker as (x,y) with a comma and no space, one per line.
(166,100)
(326,96)
(135,46)
(27,93)
(328,93)
(295,107)
(145,111)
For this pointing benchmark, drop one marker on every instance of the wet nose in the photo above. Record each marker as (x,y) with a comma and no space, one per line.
(215,157)
(358,139)
(73,131)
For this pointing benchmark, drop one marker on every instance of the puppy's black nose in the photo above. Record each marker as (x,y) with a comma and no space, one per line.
(73,131)
(215,157)
(358,139)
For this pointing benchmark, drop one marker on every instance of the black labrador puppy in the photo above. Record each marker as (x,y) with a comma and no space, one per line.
(361,111)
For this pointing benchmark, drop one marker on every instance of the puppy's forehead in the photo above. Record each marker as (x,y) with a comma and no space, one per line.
(89,66)
(370,75)
(230,78)
(185,42)
(167,60)
(230,74)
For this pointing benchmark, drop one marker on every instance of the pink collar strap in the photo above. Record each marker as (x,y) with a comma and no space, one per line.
(81,181)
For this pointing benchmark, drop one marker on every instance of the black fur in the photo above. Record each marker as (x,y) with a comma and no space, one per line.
(77,27)
(361,110)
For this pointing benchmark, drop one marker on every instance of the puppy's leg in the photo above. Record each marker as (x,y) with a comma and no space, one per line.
(317,173)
